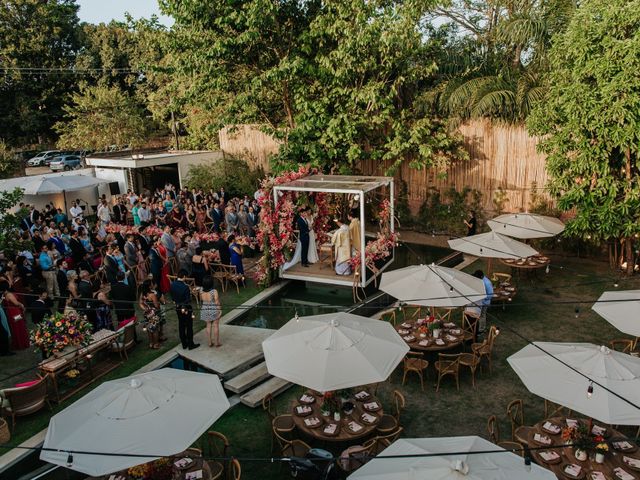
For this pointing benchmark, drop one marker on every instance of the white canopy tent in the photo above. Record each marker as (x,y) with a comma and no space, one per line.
(621,309)
(159,413)
(547,377)
(433,286)
(526,225)
(443,460)
(334,351)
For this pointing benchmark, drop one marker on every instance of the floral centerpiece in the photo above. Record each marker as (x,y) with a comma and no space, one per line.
(580,439)
(601,448)
(160,469)
(331,404)
(435,327)
(59,331)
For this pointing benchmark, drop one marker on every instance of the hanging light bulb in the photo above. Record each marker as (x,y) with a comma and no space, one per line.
(527,464)
(546,270)
(497,330)
(69,460)
(577,312)
(590,390)
(615,284)
(356,197)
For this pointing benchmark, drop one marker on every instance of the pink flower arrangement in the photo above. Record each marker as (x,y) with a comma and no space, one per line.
(378,249)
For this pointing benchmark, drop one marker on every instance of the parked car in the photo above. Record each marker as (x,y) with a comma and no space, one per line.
(65,162)
(43,158)
(24,156)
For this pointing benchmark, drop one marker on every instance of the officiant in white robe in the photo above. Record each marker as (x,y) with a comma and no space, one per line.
(355,233)
(342,249)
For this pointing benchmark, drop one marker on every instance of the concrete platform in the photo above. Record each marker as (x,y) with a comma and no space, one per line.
(248,378)
(241,347)
(274,386)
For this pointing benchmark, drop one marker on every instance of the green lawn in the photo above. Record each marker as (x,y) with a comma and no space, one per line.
(532,314)
(138,357)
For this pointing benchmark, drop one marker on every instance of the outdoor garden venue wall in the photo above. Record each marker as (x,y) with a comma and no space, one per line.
(501,157)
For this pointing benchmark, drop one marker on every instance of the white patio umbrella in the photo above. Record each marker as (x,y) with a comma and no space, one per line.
(621,309)
(545,376)
(526,225)
(334,351)
(159,413)
(480,466)
(492,245)
(432,286)
(60,184)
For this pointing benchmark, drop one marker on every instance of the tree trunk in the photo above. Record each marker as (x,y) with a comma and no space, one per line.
(629,255)
(287,106)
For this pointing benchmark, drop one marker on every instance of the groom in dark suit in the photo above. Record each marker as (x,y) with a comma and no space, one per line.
(303,229)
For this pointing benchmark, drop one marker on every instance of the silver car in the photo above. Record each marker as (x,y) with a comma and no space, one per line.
(43,158)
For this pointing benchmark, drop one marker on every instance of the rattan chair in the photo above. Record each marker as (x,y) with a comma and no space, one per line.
(621,345)
(389,316)
(292,448)
(472,362)
(493,429)
(355,456)
(448,364)
(21,401)
(414,362)
(218,446)
(555,410)
(390,423)
(126,340)
(498,277)
(515,413)
(444,314)
(469,327)
(279,423)
(383,441)
(236,469)
(514,447)
(485,349)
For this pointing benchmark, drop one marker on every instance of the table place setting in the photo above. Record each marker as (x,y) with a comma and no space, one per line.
(622,474)
(372,406)
(368,418)
(404,332)
(542,439)
(307,399)
(354,427)
(303,410)
(362,395)
(598,430)
(550,457)
(198,474)
(183,463)
(406,325)
(573,471)
(597,475)
(312,422)
(623,446)
(551,428)
(409,338)
(572,423)
(331,429)
(631,462)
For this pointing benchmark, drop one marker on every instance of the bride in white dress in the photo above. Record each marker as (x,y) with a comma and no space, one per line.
(312,255)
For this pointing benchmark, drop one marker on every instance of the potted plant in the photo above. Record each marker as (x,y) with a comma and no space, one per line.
(435,328)
(601,449)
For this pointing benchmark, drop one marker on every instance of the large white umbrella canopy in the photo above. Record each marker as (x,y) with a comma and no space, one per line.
(468,466)
(159,413)
(621,309)
(60,184)
(334,351)
(548,378)
(526,225)
(492,245)
(433,286)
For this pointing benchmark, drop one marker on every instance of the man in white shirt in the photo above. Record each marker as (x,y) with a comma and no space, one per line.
(103,212)
(75,211)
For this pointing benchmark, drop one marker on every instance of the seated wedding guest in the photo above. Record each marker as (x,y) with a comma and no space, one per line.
(222,247)
(342,248)
(60,217)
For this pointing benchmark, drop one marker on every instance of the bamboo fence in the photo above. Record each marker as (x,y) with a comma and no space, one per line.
(501,157)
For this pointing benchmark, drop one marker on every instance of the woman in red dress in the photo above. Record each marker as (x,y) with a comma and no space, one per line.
(15,313)
(164,272)
(201,218)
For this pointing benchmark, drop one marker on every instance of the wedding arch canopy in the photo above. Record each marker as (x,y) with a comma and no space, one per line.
(378,236)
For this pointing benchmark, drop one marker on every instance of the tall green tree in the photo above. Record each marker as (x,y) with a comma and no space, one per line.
(100,116)
(589,121)
(38,44)
(338,82)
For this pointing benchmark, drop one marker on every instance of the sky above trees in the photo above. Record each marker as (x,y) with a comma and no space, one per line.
(97,11)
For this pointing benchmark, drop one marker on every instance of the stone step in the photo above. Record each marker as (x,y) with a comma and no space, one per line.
(248,378)
(274,386)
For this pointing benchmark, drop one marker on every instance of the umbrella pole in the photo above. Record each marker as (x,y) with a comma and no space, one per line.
(64,197)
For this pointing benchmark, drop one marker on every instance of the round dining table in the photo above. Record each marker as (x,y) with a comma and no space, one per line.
(353,425)
(419,338)
(188,465)
(622,462)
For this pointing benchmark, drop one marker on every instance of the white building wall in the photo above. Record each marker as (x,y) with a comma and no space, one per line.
(112,175)
(203,158)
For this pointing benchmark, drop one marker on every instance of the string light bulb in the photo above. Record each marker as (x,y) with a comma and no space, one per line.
(527,464)
(577,311)
(497,330)
(546,270)
(590,390)
(70,460)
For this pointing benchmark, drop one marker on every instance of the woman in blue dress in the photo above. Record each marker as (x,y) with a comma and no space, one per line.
(235,250)
(117,254)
